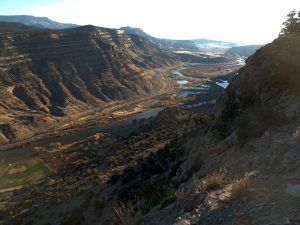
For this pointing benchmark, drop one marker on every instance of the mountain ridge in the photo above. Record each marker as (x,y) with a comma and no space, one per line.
(189,44)
(39,22)
(72,69)
(243,51)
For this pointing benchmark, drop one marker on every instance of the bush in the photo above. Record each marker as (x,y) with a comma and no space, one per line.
(153,193)
(211,181)
(239,188)
(292,24)
(169,198)
(125,214)
(181,195)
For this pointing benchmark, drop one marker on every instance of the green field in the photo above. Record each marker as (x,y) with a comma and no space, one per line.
(20,173)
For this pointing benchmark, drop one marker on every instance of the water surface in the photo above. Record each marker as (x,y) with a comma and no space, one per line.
(116,129)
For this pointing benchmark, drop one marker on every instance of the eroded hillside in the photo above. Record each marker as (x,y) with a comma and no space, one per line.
(46,73)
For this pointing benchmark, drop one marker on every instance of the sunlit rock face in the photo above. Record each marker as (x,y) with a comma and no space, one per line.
(49,69)
(62,72)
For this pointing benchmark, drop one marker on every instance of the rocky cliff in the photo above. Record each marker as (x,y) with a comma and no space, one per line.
(246,167)
(266,90)
(59,72)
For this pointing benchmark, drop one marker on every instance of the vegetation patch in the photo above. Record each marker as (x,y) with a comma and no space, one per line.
(18,174)
(211,181)
(239,188)
(126,214)
(181,195)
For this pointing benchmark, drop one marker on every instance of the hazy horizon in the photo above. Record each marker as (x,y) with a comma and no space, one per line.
(254,22)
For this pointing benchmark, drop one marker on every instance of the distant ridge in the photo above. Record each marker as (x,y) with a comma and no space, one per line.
(40,22)
(243,51)
(192,45)
(162,43)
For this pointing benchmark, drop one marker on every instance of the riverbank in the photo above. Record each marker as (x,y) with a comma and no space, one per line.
(201,85)
(116,128)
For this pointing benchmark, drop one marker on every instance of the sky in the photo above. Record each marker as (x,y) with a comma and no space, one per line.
(245,22)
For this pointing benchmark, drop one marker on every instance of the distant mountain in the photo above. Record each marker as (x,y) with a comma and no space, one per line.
(214,45)
(188,50)
(243,51)
(179,45)
(40,22)
(14,27)
(59,72)
(163,43)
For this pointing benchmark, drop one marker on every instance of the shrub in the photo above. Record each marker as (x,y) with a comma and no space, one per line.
(211,181)
(239,188)
(168,199)
(153,193)
(181,195)
(291,25)
(125,214)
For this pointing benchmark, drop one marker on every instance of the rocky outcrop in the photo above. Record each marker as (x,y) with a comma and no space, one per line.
(267,87)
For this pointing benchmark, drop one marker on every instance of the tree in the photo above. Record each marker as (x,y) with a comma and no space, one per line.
(292,24)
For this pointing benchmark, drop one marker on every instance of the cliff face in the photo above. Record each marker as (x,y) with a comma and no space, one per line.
(249,175)
(42,69)
(59,72)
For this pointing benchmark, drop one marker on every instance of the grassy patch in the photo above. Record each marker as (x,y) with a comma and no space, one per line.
(126,214)
(17,174)
(239,188)
(211,181)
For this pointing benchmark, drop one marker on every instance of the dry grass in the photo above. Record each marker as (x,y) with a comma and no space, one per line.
(125,214)
(239,188)
(211,181)
(181,195)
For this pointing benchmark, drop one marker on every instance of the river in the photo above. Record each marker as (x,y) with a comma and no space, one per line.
(117,129)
